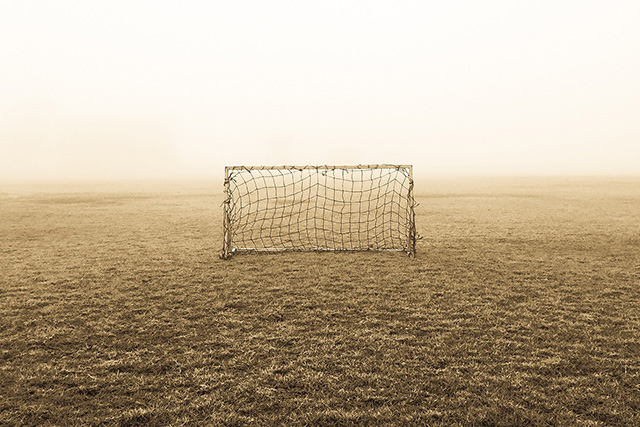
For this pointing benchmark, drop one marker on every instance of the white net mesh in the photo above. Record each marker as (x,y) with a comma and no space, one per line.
(319,208)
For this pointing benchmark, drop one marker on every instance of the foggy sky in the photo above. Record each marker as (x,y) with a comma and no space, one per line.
(130,89)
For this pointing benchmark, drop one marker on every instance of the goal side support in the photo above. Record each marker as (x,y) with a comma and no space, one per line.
(226,238)
(413,235)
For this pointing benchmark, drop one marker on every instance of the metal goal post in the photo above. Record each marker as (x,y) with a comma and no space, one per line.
(319,208)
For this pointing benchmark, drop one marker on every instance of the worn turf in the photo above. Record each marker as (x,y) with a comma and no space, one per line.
(521,308)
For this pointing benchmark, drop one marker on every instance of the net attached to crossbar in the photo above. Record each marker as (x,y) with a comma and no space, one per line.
(319,208)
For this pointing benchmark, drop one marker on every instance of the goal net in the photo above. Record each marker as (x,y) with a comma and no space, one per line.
(319,208)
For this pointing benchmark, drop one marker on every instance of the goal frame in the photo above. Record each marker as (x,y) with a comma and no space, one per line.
(227,245)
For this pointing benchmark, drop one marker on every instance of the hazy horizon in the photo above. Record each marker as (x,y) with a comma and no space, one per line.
(162,90)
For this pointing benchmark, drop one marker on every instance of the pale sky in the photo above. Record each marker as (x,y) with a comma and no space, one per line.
(122,89)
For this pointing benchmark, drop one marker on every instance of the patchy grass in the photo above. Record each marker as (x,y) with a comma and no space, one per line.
(522,308)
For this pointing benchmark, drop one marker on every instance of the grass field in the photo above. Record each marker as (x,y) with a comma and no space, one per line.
(521,308)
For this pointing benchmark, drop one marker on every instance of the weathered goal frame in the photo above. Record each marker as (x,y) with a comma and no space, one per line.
(409,245)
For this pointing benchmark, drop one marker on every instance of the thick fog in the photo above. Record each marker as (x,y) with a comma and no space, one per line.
(180,89)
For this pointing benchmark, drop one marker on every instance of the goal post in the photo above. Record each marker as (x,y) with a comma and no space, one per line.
(319,208)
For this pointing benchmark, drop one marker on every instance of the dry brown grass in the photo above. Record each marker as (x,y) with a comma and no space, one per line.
(522,308)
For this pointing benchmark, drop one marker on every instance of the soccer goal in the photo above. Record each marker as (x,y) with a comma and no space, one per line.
(319,208)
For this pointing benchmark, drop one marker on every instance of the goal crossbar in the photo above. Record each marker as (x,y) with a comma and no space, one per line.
(326,167)
(319,208)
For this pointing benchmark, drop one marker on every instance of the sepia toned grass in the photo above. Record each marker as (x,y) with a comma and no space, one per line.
(521,308)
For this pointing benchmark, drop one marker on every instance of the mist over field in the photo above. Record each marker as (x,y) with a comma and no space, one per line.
(141,90)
